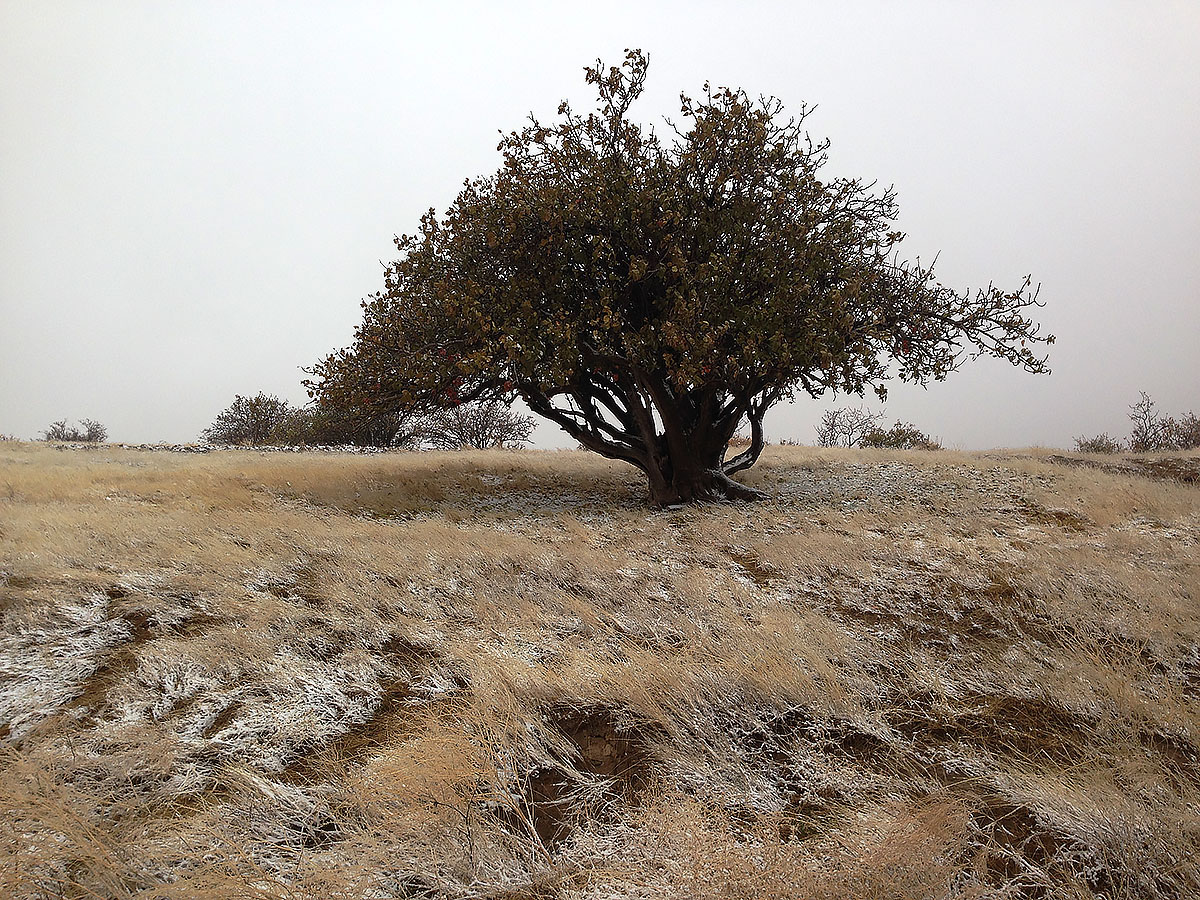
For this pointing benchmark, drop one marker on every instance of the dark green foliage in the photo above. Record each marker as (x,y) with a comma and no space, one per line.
(649,291)
(356,426)
(901,436)
(266,420)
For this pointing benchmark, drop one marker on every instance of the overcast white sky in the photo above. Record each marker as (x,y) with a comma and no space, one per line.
(194,197)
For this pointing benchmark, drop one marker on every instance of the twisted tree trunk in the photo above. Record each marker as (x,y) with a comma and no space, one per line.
(689,474)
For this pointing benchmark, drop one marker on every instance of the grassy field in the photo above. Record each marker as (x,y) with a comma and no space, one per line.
(502,675)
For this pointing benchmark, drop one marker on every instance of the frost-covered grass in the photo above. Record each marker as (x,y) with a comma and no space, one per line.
(501,675)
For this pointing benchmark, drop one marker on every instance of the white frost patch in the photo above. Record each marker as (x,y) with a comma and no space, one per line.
(295,704)
(44,661)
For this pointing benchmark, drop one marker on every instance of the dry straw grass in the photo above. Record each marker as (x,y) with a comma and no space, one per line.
(500,675)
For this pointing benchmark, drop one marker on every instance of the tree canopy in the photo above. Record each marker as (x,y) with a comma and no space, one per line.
(649,291)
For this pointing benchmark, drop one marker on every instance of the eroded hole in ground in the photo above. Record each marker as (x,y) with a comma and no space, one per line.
(608,747)
(546,796)
(1015,844)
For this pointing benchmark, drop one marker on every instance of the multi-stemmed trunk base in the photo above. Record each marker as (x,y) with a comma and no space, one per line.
(700,485)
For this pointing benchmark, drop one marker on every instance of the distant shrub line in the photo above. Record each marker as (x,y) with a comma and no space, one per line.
(89,431)
(265,420)
(1151,432)
(856,427)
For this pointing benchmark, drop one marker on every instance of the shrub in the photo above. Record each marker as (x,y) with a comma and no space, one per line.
(1153,433)
(357,426)
(1186,432)
(1101,443)
(266,419)
(261,419)
(846,427)
(901,436)
(482,425)
(90,432)
(295,428)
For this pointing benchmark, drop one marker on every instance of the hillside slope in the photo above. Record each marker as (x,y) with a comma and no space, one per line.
(501,675)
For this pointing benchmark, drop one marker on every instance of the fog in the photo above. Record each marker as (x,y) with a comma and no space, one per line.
(196,196)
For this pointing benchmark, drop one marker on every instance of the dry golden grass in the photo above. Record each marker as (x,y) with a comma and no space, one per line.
(501,675)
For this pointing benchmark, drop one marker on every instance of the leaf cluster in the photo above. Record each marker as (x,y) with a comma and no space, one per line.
(718,255)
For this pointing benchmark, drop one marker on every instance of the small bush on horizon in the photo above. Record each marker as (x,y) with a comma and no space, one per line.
(482,425)
(1152,432)
(846,427)
(1155,433)
(1187,431)
(1101,443)
(88,432)
(855,427)
(901,436)
(265,419)
(257,420)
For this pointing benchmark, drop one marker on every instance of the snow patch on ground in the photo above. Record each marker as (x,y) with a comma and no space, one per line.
(47,653)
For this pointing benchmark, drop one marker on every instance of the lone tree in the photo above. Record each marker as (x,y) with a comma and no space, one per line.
(650,292)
